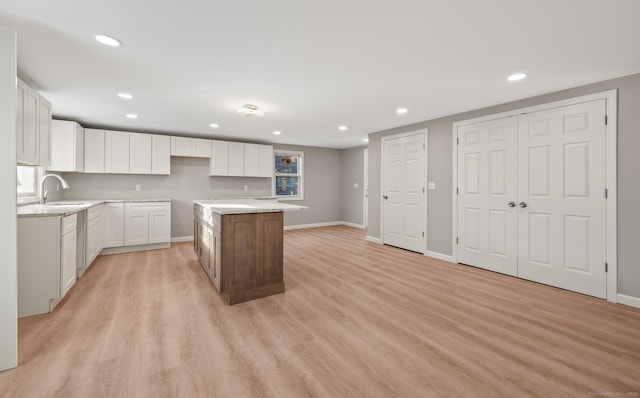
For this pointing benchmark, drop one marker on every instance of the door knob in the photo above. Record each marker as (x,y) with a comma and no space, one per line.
(385,197)
(511,204)
(522,204)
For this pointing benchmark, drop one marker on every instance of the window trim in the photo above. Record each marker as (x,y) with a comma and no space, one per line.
(300,175)
(31,198)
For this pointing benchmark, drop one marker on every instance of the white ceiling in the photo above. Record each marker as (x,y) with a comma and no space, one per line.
(312,66)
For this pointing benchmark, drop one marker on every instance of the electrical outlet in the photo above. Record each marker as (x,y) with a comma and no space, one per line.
(138,187)
(246,187)
(432,185)
(356,185)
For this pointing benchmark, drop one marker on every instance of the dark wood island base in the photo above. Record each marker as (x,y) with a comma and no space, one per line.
(241,253)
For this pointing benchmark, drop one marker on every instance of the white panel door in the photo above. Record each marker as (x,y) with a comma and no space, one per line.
(219,162)
(114,224)
(251,160)
(68,262)
(561,190)
(266,161)
(201,148)
(93,151)
(403,192)
(139,153)
(161,154)
(136,228)
(236,159)
(159,226)
(487,184)
(44,131)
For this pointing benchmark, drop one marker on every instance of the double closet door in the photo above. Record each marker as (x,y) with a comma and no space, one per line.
(531,196)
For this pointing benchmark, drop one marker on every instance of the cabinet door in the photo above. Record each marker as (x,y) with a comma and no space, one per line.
(159,226)
(21,114)
(181,146)
(113,224)
(91,243)
(216,258)
(201,148)
(68,261)
(139,153)
(93,151)
(251,160)
(136,228)
(161,154)
(44,131)
(67,146)
(219,162)
(236,159)
(28,151)
(266,161)
(116,152)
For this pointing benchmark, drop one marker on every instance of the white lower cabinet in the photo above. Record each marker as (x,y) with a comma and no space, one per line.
(45,275)
(113,224)
(147,223)
(68,251)
(94,233)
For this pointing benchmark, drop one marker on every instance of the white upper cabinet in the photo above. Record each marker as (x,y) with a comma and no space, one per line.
(236,159)
(190,147)
(266,161)
(116,152)
(139,153)
(67,146)
(251,160)
(93,151)
(45,131)
(161,154)
(219,162)
(27,122)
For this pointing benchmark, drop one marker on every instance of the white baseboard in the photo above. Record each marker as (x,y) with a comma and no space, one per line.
(374,240)
(182,239)
(350,224)
(321,224)
(628,300)
(129,249)
(439,256)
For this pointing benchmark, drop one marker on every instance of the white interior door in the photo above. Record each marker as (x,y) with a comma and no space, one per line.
(562,229)
(365,189)
(403,192)
(487,184)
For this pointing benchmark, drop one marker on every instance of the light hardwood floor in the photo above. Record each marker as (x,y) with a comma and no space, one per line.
(357,320)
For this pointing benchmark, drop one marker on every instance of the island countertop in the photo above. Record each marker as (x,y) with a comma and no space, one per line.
(244,206)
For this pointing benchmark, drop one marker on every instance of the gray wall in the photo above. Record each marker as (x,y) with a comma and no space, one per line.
(353,173)
(8,233)
(439,154)
(322,186)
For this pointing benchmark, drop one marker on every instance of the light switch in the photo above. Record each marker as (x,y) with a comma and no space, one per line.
(246,187)
(138,187)
(432,185)
(356,185)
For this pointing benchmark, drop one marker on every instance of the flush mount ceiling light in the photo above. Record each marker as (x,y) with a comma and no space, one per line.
(401,111)
(250,111)
(342,128)
(125,96)
(214,125)
(108,41)
(132,116)
(517,76)
(277,132)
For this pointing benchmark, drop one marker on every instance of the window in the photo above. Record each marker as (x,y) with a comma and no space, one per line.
(288,183)
(28,187)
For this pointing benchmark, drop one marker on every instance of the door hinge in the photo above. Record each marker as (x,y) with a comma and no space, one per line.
(423,146)
(423,234)
(606,193)
(458,141)
(456,240)
(457,191)
(606,120)
(422,189)
(606,267)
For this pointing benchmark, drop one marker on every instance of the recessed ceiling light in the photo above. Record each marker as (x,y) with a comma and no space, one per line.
(401,111)
(108,41)
(277,132)
(250,111)
(342,128)
(366,140)
(517,76)
(214,125)
(132,116)
(125,95)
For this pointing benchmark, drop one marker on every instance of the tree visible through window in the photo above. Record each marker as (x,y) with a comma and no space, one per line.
(289,184)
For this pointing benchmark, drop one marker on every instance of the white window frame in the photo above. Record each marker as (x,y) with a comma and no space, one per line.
(300,174)
(30,198)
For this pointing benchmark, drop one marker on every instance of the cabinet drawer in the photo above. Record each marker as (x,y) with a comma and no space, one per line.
(94,212)
(69,223)
(147,206)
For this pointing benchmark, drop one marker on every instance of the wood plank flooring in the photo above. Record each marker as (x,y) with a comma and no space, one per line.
(357,320)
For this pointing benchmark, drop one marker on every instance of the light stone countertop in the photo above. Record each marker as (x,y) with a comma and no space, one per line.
(68,207)
(244,206)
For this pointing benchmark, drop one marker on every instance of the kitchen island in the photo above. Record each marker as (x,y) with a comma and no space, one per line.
(239,244)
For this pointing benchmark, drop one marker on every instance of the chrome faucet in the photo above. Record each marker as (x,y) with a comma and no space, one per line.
(43,193)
